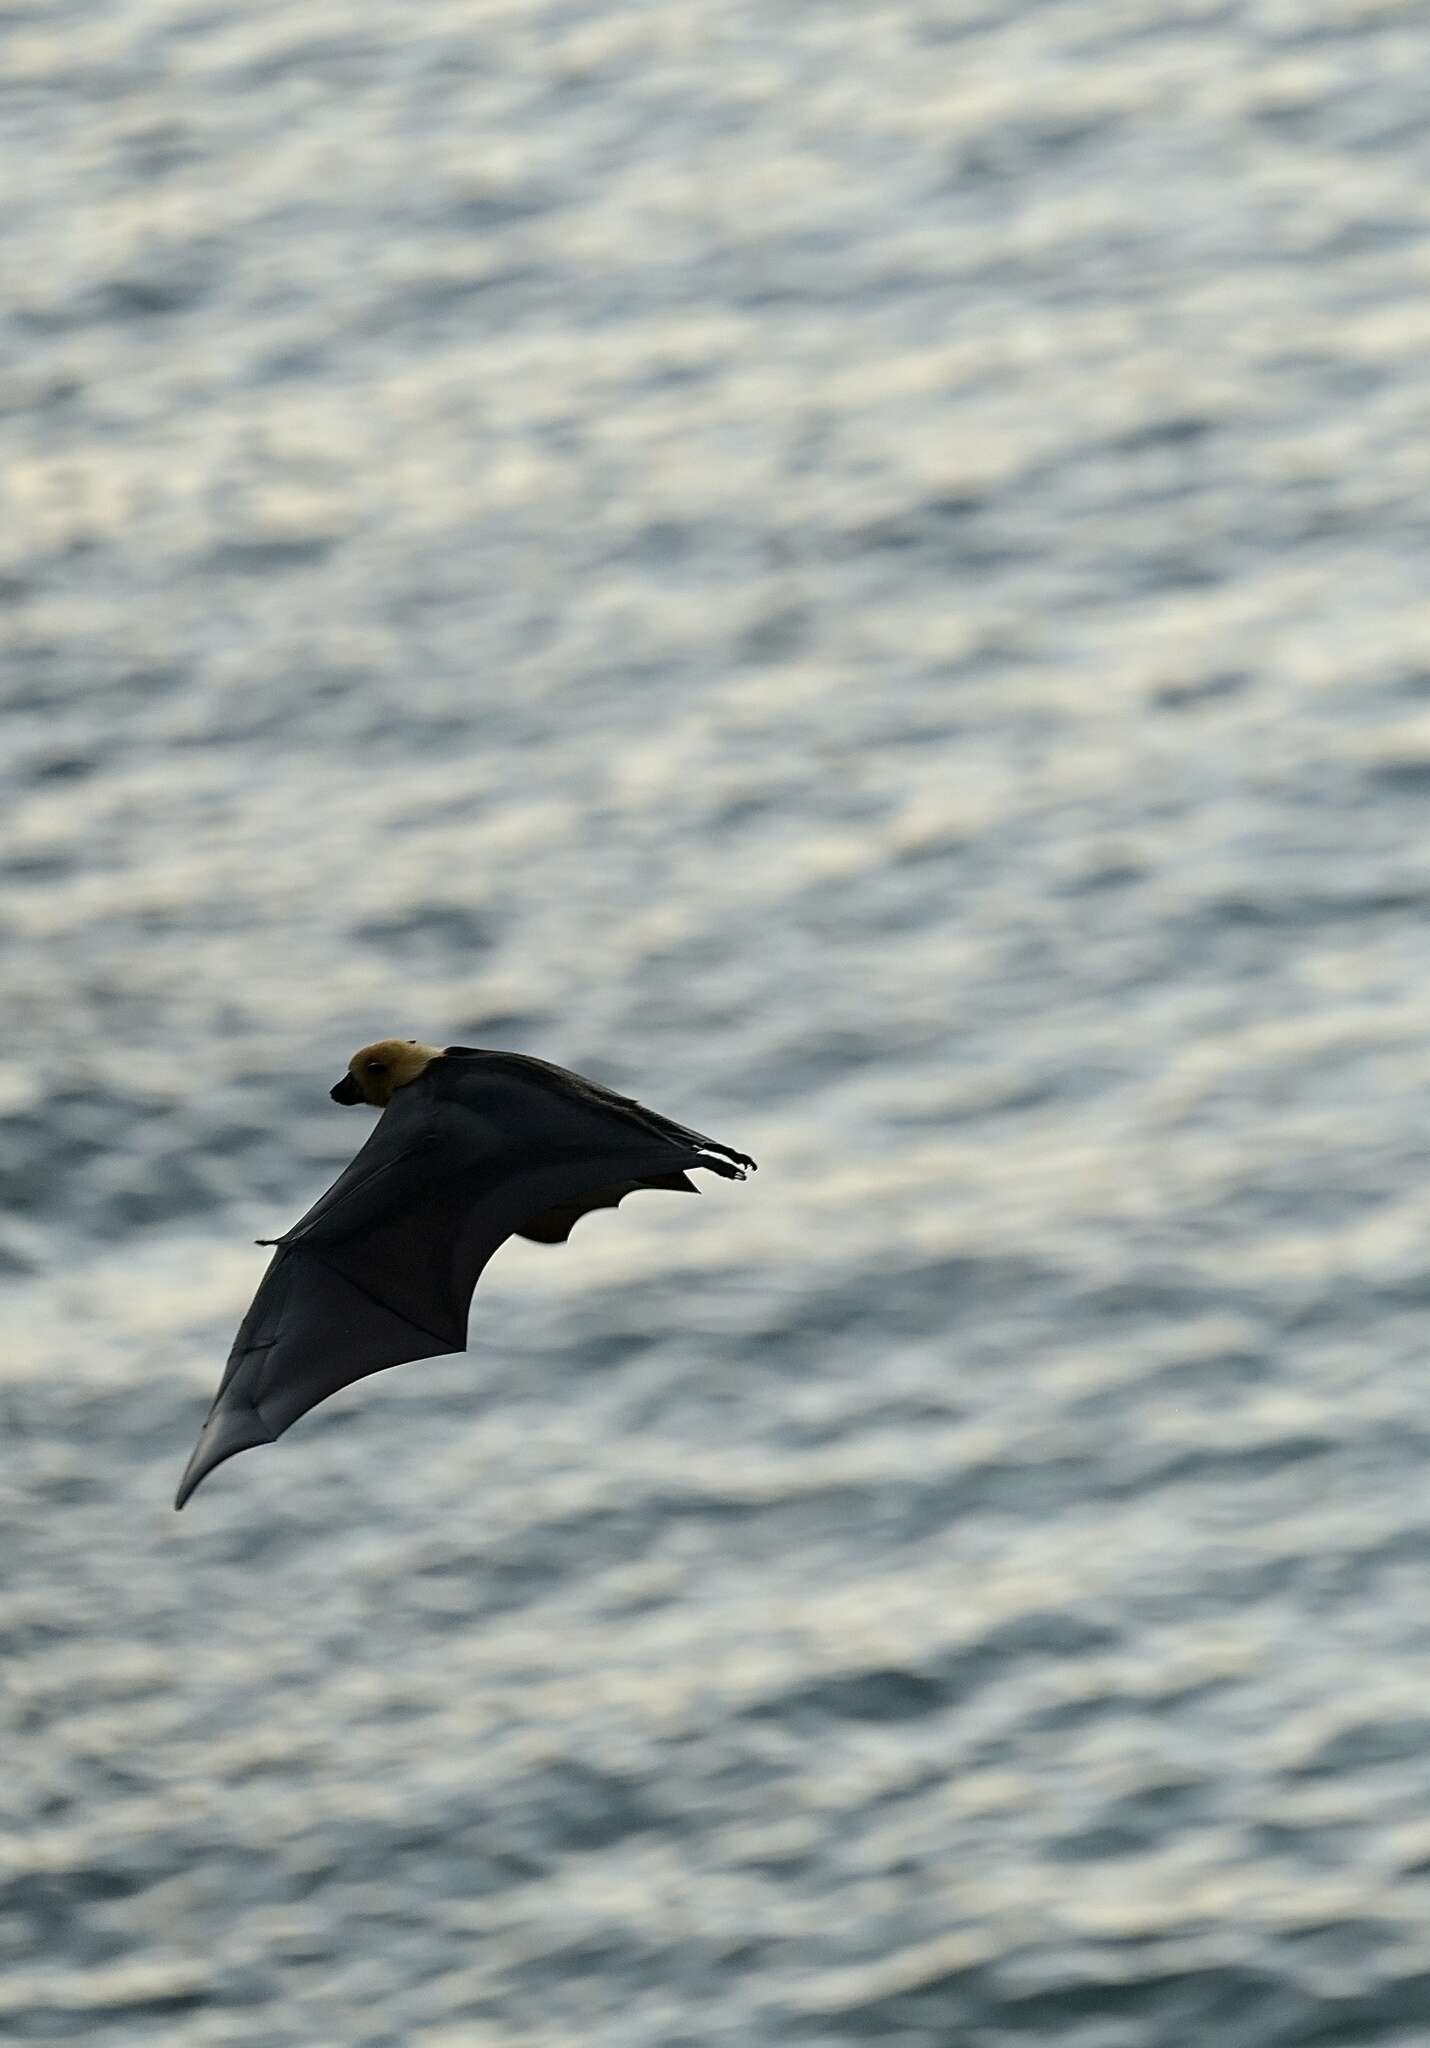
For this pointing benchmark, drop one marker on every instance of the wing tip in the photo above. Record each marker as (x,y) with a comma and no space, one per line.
(228,1431)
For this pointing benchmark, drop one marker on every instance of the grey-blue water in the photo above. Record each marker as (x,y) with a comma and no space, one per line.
(860,573)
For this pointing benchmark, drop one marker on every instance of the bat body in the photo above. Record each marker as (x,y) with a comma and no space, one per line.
(472,1148)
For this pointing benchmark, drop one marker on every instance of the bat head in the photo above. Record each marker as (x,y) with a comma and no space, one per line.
(378,1069)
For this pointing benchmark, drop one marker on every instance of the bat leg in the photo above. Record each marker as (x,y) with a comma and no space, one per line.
(729,1165)
(227,1431)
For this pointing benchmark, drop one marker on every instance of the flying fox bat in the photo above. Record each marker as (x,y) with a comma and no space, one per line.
(471,1148)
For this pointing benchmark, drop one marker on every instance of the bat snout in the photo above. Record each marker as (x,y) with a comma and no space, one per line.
(346,1091)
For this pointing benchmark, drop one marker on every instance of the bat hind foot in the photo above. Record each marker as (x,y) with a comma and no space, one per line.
(730,1165)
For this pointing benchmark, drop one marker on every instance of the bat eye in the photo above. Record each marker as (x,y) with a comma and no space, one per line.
(377,1066)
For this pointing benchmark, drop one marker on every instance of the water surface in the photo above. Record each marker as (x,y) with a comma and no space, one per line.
(859,574)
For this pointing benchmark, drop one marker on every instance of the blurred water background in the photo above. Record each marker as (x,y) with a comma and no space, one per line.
(859,573)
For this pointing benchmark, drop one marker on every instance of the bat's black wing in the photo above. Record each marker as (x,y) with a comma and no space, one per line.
(481,1147)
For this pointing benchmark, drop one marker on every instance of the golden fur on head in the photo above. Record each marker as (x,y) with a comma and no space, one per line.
(389,1064)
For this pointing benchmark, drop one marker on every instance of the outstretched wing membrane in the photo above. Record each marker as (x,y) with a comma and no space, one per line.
(381,1269)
